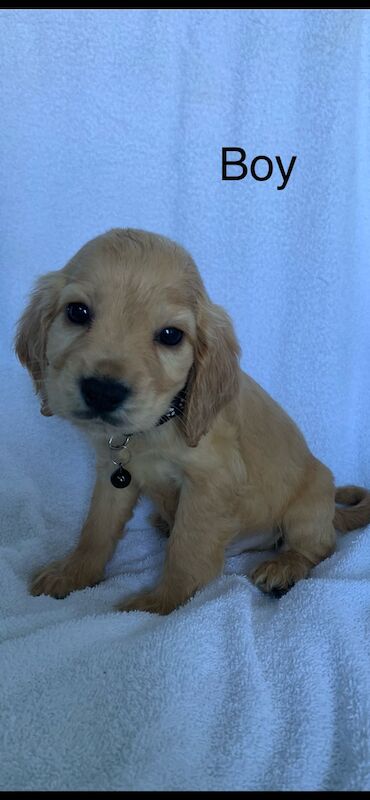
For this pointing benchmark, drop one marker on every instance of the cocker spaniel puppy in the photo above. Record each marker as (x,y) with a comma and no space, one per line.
(125,343)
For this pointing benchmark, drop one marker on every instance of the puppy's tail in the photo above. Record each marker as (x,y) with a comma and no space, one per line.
(357,515)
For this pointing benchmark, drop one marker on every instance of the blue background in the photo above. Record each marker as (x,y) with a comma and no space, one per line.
(117,118)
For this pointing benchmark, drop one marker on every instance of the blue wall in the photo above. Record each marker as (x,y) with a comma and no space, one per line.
(117,118)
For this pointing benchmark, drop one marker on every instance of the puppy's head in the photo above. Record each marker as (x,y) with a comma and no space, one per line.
(112,338)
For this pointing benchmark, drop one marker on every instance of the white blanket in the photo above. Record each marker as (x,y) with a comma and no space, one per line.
(233,691)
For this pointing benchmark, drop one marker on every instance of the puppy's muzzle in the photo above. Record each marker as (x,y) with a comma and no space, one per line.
(103,395)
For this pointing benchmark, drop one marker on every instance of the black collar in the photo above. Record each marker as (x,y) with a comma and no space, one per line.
(121,477)
(176,408)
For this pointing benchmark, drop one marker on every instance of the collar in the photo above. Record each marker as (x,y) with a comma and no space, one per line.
(177,406)
(121,478)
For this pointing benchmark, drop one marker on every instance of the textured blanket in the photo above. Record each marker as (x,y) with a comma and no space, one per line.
(233,691)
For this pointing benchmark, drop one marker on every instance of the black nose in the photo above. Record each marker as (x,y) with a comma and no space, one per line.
(103,394)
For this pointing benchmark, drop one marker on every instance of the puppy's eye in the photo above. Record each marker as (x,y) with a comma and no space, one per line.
(169,336)
(78,313)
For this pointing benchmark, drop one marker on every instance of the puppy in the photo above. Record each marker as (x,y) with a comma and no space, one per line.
(125,343)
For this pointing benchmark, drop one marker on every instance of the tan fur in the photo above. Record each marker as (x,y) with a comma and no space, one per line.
(348,519)
(231,465)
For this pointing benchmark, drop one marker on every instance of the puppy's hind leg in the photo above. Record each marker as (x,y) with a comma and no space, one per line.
(309,535)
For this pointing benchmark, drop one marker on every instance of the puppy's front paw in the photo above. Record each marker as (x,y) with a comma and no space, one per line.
(154,602)
(61,578)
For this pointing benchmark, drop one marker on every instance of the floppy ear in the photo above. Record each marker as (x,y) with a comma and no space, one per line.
(214,376)
(32,328)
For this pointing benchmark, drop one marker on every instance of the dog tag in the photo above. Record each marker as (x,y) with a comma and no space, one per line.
(120,478)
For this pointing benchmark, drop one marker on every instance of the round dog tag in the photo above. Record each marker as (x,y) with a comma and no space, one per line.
(120,478)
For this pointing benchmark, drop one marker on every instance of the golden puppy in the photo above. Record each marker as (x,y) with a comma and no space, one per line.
(125,343)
